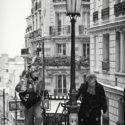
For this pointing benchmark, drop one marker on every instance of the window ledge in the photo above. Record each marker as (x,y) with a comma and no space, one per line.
(119,74)
(113,89)
(105,72)
(96,71)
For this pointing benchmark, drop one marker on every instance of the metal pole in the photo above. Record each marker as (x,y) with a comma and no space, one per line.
(16,109)
(4,105)
(73,109)
(43,83)
(43,67)
(72,70)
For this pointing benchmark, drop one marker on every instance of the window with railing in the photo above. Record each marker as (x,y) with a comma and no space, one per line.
(58,1)
(119,8)
(59,30)
(61,48)
(61,85)
(83,30)
(95,16)
(105,13)
(105,9)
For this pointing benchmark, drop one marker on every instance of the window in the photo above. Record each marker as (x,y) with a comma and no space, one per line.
(86,49)
(105,62)
(96,53)
(60,22)
(106,47)
(61,48)
(120,52)
(117,52)
(61,84)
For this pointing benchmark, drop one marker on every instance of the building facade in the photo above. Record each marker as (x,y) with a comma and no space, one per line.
(107,47)
(10,70)
(49,24)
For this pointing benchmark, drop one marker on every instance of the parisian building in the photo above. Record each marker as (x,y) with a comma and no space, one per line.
(107,58)
(49,24)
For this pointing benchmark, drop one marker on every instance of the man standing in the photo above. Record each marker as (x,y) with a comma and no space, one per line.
(92,102)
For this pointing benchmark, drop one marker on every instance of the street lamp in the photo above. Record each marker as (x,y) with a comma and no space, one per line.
(73,10)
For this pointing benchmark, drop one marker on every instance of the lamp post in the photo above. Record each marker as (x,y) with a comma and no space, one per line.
(4,106)
(73,10)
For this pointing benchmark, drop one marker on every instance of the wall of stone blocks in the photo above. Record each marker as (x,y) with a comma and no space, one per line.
(115,109)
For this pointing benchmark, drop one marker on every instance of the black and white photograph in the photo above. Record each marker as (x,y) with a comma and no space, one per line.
(62,62)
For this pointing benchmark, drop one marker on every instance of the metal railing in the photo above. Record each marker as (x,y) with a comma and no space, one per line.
(35,33)
(58,118)
(59,30)
(105,13)
(119,9)
(95,16)
(60,91)
(83,30)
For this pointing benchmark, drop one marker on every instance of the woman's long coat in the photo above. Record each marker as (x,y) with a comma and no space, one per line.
(91,105)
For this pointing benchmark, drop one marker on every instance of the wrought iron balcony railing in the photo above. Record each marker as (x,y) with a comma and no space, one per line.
(119,9)
(63,61)
(105,13)
(95,16)
(65,0)
(24,51)
(105,65)
(83,30)
(59,30)
(58,1)
(60,91)
(36,33)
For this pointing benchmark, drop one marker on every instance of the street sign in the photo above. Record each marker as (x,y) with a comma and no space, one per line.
(45,104)
(13,106)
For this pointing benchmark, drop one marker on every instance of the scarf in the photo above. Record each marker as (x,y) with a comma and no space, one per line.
(91,90)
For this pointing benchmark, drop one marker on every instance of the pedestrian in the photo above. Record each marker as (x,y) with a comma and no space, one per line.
(93,100)
(30,83)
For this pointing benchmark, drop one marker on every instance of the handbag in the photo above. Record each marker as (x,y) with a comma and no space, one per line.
(29,98)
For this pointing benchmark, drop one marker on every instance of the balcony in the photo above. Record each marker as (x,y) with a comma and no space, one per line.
(59,30)
(83,30)
(65,0)
(25,52)
(105,13)
(105,65)
(35,34)
(60,91)
(95,16)
(55,1)
(119,9)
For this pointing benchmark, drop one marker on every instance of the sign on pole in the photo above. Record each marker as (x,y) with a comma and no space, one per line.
(13,106)
(45,104)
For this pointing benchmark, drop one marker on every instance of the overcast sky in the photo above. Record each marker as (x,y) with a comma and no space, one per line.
(13,25)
